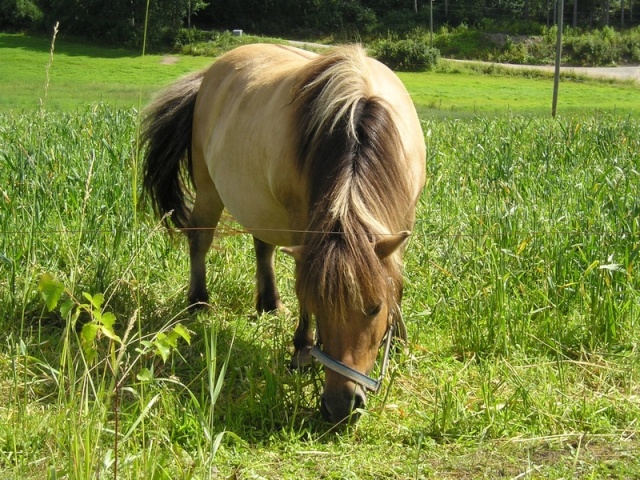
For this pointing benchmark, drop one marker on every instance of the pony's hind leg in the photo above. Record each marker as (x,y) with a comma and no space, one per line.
(268,299)
(204,219)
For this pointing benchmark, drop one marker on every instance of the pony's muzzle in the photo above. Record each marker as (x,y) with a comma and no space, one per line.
(343,405)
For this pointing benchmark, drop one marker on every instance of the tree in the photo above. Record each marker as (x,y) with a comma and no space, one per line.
(193,7)
(122,21)
(19,13)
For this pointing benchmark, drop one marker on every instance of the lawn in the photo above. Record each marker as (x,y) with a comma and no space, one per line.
(82,74)
(521,301)
(466,94)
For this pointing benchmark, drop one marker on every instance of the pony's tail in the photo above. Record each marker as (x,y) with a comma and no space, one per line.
(166,133)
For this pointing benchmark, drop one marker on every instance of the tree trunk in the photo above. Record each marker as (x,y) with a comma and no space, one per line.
(574,23)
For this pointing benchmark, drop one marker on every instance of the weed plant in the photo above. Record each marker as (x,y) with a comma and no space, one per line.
(521,302)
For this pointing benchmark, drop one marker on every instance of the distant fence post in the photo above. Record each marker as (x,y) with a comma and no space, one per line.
(556,77)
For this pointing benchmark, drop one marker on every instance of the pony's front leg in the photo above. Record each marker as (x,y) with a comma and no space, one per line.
(302,342)
(268,298)
(204,219)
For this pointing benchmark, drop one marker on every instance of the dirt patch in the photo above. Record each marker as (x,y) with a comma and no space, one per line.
(631,72)
(169,60)
(618,73)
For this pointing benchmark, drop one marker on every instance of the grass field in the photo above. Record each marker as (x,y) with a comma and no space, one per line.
(83,74)
(521,300)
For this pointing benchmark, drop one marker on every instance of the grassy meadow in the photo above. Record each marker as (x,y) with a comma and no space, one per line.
(83,74)
(80,74)
(522,298)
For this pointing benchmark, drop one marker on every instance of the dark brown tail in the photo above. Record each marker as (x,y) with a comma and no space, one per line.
(166,133)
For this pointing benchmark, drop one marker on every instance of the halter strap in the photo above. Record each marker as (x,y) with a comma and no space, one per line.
(352,374)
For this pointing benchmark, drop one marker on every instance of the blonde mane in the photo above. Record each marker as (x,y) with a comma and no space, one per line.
(351,153)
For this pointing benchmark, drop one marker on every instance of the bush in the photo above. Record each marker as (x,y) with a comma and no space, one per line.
(512,26)
(189,36)
(19,14)
(407,54)
(214,44)
(599,47)
(462,43)
(603,47)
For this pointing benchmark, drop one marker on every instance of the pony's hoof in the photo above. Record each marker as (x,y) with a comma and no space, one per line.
(270,305)
(301,359)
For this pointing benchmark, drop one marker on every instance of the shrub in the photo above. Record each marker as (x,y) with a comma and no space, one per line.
(408,54)
(189,36)
(463,43)
(214,44)
(600,47)
(603,47)
(19,13)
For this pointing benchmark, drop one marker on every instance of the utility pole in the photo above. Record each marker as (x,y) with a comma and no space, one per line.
(431,24)
(556,77)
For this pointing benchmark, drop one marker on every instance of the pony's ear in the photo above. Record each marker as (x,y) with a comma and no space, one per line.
(389,244)
(296,252)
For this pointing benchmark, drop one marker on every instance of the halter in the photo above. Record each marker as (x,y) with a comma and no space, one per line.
(350,373)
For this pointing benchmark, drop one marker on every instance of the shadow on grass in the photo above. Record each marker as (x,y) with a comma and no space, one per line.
(260,396)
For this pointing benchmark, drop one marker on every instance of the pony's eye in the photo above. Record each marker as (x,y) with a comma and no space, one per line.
(374,310)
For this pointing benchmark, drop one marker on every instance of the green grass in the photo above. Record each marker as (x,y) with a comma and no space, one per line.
(521,302)
(82,74)
(85,74)
(465,93)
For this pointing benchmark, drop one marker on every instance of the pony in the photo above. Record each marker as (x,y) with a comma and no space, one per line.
(321,155)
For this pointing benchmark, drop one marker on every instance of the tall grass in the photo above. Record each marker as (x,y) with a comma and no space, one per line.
(521,303)
(543,237)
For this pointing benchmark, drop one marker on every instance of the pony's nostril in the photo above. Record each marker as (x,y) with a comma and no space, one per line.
(324,410)
(359,400)
(336,409)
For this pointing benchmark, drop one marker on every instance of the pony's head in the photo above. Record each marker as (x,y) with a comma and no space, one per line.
(352,288)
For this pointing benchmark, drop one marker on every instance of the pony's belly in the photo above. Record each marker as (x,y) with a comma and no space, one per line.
(264,218)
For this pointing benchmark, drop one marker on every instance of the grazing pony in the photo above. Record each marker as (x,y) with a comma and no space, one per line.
(323,155)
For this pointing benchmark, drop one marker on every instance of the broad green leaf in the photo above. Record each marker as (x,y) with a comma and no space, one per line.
(109,333)
(96,300)
(108,319)
(183,332)
(66,307)
(51,290)
(145,375)
(87,338)
(163,350)
(169,339)
(88,333)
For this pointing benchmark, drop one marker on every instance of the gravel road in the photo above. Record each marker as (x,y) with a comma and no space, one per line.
(620,73)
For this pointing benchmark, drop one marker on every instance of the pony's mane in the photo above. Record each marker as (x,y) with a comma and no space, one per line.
(351,154)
